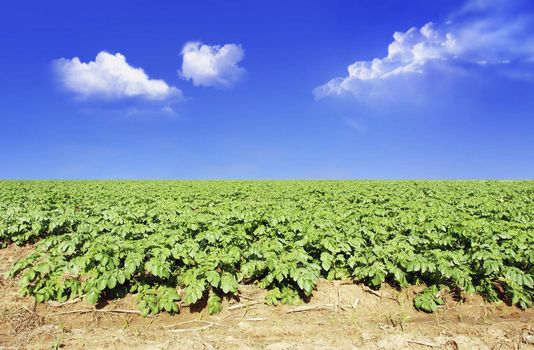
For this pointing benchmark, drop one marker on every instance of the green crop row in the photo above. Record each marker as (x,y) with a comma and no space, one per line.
(186,241)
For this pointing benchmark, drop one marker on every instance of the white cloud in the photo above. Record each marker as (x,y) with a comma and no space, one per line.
(478,6)
(162,111)
(110,76)
(460,45)
(215,66)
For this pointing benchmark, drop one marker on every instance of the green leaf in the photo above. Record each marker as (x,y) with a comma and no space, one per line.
(144,311)
(102,283)
(213,278)
(120,277)
(112,282)
(378,279)
(273,296)
(92,297)
(326,260)
(39,298)
(214,303)
(428,301)
(528,281)
(193,293)
(229,283)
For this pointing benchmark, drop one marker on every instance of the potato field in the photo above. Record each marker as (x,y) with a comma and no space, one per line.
(175,243)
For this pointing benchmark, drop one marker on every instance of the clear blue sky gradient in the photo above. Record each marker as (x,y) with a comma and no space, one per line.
(267,126)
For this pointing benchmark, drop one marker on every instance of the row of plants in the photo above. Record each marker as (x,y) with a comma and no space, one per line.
(173,242)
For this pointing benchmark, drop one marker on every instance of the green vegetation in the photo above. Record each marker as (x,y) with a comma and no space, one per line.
(182,241)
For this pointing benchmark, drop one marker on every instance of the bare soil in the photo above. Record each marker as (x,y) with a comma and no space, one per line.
(340,315)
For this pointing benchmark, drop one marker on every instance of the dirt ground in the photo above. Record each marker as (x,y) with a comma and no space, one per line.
(340,315)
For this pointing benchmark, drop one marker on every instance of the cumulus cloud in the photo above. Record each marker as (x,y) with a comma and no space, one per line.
(215,66)
(110,76)
(474,38)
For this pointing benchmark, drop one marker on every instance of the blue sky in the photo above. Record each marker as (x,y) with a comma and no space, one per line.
(261,90)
